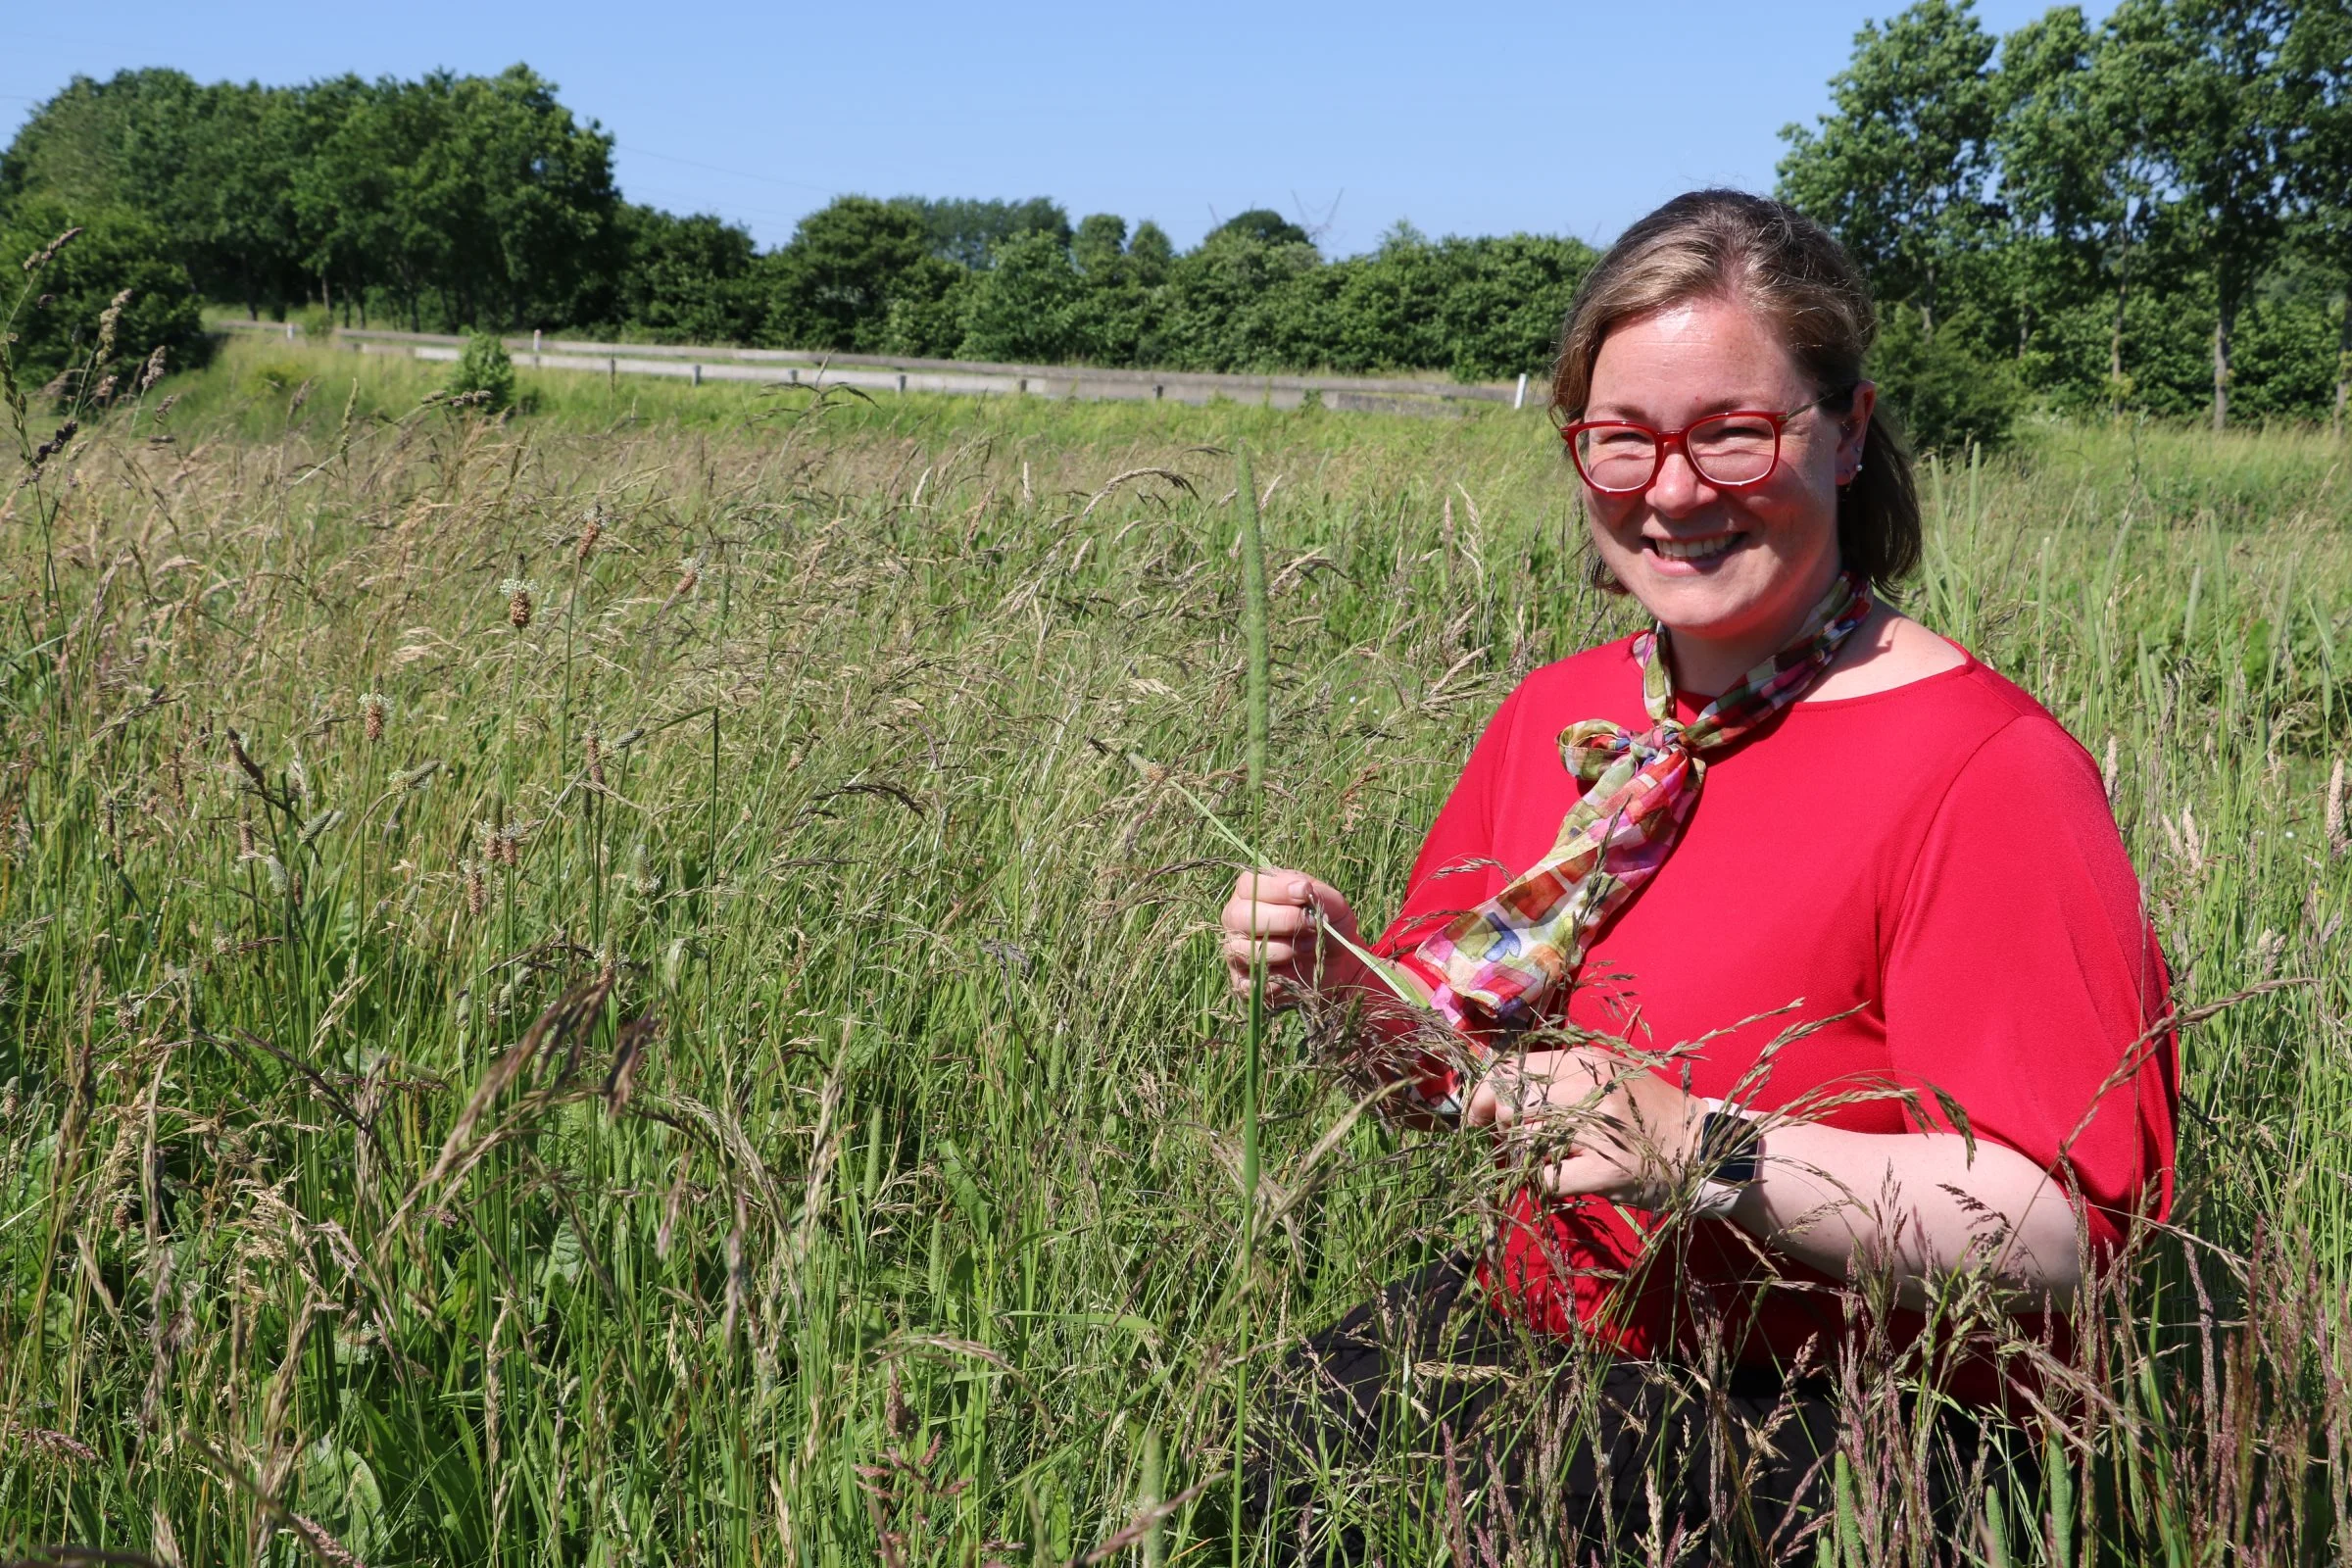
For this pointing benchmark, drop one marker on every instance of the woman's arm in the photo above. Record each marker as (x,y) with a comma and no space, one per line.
(1919,1205)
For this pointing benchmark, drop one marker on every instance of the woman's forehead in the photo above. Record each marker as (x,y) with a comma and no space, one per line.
(1701,348)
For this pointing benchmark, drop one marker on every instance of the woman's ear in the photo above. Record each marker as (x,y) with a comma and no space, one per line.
(1854,430)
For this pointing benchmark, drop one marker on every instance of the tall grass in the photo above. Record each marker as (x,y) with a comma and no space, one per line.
(736,1069)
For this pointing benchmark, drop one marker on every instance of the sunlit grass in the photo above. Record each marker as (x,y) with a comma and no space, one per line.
(913,1208)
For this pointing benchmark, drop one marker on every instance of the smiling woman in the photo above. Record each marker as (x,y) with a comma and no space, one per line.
(1784,802)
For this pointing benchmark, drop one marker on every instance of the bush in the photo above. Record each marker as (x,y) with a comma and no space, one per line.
(1023,308)
(59,324)
(486,369)
(1946,395)
(927,307)
(270,379)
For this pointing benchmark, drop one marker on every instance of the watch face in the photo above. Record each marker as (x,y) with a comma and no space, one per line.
(1732,1146)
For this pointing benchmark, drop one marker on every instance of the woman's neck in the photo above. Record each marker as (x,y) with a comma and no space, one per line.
(1705,667)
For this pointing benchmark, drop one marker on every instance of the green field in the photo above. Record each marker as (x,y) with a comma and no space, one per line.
(736,1069)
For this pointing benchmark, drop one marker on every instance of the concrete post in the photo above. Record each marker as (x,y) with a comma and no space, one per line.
(1519,398)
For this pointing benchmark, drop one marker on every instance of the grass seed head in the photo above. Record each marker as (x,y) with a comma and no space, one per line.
(590,533)
(373,709)
(478,890)
(2340,840)
(518,602)
(108,320)
(153,371)
(48,253)
(596,759)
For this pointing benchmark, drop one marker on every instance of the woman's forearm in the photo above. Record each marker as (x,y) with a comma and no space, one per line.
(1922,1205)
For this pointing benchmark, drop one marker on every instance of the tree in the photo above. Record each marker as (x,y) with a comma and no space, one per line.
(1024,307)
(521,192)
(1240,303)
(929,305)
(238,213)
(688,279)
(1260,225)
(208,168)
(2319,61)
(834,279)
(2221,112)
(1507,301)
(1100,242)
(967,232)
(1900,172)
(2078,164)
(118,254)
(1150,254)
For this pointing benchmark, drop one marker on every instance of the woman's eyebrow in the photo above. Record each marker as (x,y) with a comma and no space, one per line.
(1749,403)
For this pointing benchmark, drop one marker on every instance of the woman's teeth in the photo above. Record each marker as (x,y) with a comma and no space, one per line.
(1694,549)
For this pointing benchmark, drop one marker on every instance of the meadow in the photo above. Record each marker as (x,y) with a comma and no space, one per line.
(606,986)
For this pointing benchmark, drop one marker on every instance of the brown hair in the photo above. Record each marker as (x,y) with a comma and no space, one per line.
(1788,269)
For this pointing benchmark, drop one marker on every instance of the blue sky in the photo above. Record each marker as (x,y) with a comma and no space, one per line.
(1470,119)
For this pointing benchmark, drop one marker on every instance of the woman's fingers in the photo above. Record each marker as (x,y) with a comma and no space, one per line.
(1270,900)
(1267,920)
(1246,953)
(1585,1174)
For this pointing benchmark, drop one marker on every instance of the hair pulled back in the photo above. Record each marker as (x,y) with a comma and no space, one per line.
(1727,244)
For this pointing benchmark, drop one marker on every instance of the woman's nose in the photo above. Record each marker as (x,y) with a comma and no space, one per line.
(1677,488)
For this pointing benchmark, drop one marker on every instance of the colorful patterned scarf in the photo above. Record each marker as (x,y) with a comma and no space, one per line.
(1507,955)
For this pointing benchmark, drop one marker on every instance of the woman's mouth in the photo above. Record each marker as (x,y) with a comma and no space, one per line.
(1693,550)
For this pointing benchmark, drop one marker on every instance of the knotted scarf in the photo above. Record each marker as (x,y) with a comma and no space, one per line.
(1506,956)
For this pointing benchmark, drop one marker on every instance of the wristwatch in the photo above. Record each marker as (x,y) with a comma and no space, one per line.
(1730,1156)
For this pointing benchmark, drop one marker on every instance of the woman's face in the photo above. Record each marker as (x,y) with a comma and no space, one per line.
(1722,566)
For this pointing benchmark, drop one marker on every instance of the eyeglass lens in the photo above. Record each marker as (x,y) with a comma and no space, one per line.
(1727,449)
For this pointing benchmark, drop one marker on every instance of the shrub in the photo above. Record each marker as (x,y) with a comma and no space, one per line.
(59,322)
(484,367)
(1946,395)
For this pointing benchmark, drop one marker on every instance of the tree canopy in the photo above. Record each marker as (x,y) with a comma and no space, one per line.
(2144,214)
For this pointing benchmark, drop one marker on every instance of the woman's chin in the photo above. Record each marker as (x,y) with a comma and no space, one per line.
(1711,603)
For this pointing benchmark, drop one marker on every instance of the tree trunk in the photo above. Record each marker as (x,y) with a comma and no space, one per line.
(2343,360)
(2115,351)
(2221,367)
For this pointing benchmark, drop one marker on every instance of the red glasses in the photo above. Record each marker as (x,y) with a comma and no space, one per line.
(1735,451)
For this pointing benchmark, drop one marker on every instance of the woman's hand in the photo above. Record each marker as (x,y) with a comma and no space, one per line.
(1283,916)
(1632,1134)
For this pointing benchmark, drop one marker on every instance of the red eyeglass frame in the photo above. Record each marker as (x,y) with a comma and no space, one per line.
(1665,441)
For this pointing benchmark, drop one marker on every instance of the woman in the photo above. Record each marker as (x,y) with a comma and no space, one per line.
(1788,804)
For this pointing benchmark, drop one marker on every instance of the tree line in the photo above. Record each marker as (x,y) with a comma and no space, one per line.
(2149,214)
(457,202)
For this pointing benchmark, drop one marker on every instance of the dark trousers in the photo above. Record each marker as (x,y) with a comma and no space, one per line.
(1425,1412)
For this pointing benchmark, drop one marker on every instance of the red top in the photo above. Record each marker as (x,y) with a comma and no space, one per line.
(1938,862)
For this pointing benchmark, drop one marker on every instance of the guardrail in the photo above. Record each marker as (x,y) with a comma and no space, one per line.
(698,363)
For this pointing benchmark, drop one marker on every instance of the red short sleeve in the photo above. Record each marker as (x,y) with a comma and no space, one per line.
(2023,978)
